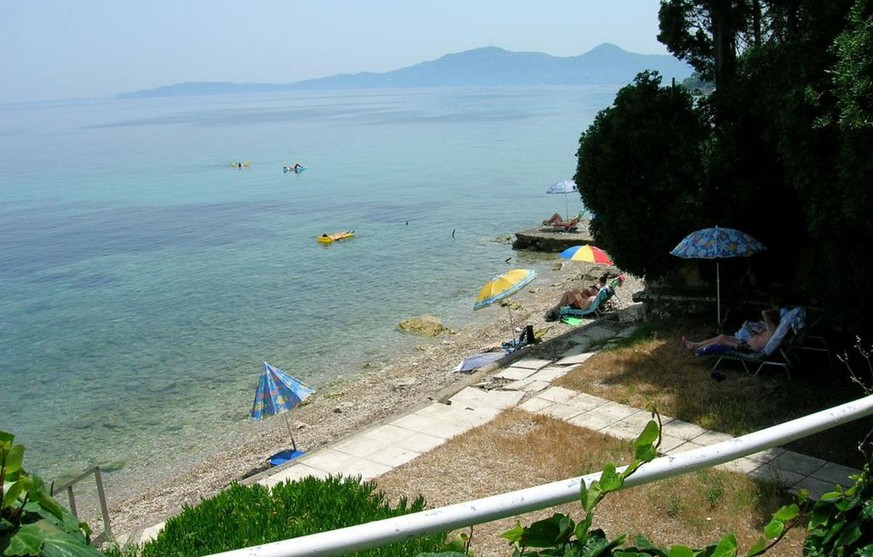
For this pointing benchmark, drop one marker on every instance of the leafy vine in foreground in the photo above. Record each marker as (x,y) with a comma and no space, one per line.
(32,523)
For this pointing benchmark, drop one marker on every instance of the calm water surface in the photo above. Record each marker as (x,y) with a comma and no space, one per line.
(143,280)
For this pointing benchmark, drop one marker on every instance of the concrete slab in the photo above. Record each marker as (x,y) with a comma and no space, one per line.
(591,420)
(617,411)
(531,363)
(561,412)
(362,446)
(549,374)
(475,398)
(712,438)
(574,360)
(514,373)
(394,456)
(795,462)
(684,430)
(536,405)
(835,474)
(416,421)
(388,433)
(527,385)
(292,474)
(420,442)
(367,469)
(447,430)
(435,409)
(639,420)
(622,430)
(584,401)
(557,394)
(577,350)
(815,487)
(330,461)
(592,334)
(669,443)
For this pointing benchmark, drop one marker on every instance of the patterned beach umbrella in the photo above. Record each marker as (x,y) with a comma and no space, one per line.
(565,187)
(277,393)
(589,254)
(502,287)
(717,243)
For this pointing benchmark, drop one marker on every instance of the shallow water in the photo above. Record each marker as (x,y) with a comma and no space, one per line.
(144,280)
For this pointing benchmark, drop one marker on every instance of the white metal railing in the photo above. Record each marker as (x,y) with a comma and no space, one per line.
(444,519)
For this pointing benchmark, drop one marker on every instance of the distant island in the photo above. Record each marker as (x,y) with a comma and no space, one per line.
(481,67)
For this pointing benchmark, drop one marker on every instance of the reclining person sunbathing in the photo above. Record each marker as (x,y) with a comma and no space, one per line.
(558,221)
(755,343)
(576,298)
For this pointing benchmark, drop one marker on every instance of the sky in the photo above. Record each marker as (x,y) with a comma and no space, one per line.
(63,49)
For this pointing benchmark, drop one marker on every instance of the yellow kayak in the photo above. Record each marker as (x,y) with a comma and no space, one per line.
(335,237)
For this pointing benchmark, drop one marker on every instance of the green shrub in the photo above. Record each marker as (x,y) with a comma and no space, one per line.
(243,516)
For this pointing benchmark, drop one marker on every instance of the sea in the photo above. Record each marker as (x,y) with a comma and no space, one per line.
(145,277)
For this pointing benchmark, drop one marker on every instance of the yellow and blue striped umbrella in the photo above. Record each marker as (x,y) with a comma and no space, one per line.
(503,286)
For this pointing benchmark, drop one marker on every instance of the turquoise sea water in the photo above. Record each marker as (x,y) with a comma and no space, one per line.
(143,280)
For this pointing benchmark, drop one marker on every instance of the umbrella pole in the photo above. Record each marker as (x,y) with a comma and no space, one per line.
(567,206)
(288,425)
(511,328)
(718,295)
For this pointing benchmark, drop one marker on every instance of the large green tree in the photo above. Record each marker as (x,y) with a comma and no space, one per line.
(639,170)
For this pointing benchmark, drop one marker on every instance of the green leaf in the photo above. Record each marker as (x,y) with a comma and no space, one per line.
(681,551)
(514,534)
(593,497)
(648,436)
(774,529)
(14,458)
(758,548)
(786,513)
(726,547)
(6,438)
(609,480)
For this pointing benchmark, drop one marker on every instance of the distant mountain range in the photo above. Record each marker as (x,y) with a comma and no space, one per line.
(481,67)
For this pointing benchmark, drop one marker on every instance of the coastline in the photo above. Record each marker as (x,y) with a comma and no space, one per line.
(356,403)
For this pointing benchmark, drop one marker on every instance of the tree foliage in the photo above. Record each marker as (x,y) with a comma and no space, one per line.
(639,171)
(784,154)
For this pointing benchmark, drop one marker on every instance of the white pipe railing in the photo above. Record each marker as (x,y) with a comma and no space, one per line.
(445,519)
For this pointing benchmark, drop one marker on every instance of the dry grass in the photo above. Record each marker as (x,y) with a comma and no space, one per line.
(519,449)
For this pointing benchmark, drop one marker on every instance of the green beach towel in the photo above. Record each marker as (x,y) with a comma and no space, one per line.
(572,321)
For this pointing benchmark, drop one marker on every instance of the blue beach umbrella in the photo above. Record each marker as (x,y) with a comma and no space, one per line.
(278,393)
(565,187)
(717,243)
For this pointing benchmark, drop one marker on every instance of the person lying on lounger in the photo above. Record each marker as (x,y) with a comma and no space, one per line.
(558,221)
(578,298)
(755,343)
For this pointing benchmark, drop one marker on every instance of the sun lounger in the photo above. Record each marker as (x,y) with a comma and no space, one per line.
(779,350)
(599,306)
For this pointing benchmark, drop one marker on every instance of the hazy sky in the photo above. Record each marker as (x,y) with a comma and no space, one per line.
(59,49)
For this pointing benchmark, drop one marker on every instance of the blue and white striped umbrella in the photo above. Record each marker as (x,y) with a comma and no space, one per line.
(277,393)
(565,187)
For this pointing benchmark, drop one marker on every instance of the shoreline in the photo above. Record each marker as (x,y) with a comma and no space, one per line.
(355,403)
